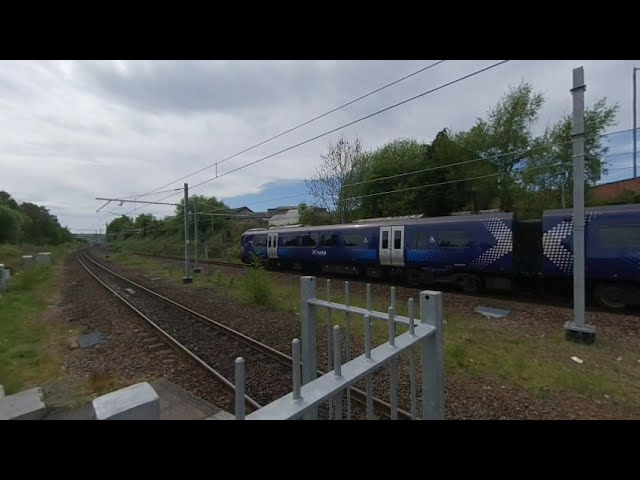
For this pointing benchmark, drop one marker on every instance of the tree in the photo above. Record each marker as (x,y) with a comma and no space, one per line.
(505,137)
(119,227)
(392,159)
(10,225)
(41,227)
(551,164)
(145,222)
(306,215)
(338,168)
(7,200)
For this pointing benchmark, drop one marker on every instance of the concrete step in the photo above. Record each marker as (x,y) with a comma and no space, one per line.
(26,405)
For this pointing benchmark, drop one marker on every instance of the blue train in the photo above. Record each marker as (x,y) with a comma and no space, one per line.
(490,251)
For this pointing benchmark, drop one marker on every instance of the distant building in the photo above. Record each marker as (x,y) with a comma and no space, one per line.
(607,191)
(241,211)
(289,216)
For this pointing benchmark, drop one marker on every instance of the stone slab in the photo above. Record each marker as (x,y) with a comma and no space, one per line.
(136,402)
(25,405)
(44,258)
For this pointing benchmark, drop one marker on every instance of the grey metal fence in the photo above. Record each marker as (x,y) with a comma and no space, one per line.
(310,391)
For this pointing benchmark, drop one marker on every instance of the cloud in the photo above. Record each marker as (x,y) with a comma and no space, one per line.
(75,130)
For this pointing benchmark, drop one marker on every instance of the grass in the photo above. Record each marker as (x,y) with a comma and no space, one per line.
(535,358)
(27,357)
(34,344)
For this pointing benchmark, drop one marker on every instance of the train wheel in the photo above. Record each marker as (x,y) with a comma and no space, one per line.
(612,296)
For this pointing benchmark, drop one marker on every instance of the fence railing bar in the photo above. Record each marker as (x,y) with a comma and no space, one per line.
(295,353)
(239,380)
(393,367)
(367,355)
(393,303)
(326,386)
(329,356)
(357,310)
(348,343)
(337,369)
(412,364)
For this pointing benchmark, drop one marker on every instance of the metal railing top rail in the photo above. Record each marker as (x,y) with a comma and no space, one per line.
(359,310)
(314,393)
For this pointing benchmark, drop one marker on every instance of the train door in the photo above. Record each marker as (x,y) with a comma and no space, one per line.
(392,245)
(272,245)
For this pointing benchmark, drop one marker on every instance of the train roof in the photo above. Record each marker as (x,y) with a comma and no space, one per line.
(387,222)
(630,207)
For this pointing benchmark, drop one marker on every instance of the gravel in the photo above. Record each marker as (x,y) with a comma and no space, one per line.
(466,397)
(127,354)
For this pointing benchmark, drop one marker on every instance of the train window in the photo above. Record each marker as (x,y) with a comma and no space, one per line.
(353,241)
(308,241)
(620,236)
(454,239)
(423,240)
(397,239)
(259,241)
(290,241)
(329,240)
(385,239)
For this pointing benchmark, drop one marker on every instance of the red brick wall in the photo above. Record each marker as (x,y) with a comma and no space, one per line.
(613,189)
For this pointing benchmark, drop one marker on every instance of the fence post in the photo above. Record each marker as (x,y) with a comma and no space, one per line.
(309,327)
(239,381)
(432,357)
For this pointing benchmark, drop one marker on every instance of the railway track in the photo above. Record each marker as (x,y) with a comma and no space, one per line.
(533,297)
(269,370)
(204,262)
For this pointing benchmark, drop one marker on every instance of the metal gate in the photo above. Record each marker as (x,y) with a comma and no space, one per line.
(310,391)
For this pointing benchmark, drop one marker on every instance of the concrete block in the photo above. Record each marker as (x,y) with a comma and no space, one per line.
(4,278)
(26,405)
(44,258)
(221,415)
(27,261)
(136,402)
(2,391)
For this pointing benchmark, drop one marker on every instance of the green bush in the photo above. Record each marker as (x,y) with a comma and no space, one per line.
(257,287)
(29,278)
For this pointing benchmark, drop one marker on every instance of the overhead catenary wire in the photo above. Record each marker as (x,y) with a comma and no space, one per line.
(378,112)
(318,117)
(479,159)
(191,221)
(395,105)
(479,177)
(607,134)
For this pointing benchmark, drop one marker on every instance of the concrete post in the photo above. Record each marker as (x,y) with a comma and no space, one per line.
(432,357)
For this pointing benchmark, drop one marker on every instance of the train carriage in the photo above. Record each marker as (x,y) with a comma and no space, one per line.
(474,251)
(468,250)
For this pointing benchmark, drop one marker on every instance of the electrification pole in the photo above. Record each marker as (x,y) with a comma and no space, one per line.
(577,330)
(635,120)
(196,269)
(187,278)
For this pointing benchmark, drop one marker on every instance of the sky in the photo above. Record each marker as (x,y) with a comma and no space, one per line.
(71,131)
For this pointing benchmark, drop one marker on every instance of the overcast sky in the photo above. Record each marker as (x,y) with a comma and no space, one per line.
(74,130)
